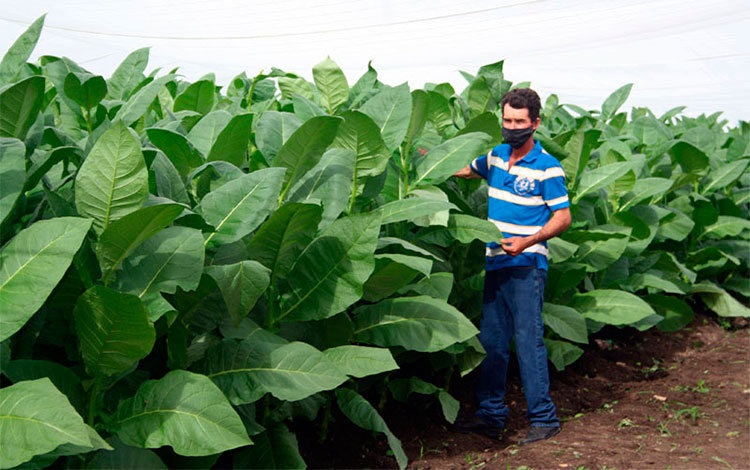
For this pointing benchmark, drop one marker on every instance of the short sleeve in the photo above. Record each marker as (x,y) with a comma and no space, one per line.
(554,193)
(481,166)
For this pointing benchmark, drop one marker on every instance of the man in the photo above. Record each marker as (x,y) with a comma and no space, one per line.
(529,204)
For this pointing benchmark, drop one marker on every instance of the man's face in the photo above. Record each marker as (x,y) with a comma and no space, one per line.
(514,118)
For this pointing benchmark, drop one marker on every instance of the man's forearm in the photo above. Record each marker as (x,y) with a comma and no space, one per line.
(556,225)
(467,172)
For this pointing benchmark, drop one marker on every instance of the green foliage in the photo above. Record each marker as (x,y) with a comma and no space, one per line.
(268,249)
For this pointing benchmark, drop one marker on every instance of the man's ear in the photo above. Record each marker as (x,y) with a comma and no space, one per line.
(536,123)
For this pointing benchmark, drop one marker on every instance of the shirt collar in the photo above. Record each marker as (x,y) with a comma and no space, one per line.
(529,157)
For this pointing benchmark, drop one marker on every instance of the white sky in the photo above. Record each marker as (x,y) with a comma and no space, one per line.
(676,52)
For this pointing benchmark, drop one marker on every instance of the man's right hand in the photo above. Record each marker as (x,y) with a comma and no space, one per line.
(467,172)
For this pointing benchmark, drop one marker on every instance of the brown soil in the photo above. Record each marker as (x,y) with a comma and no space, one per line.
(648,400)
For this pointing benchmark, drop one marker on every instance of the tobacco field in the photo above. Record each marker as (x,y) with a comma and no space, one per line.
(188,270)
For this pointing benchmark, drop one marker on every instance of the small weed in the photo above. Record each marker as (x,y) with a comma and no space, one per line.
(698,450)
(718,403)
(653,369)
(719,459)
(625,422)
(733,434)
(694,413)
(701,387)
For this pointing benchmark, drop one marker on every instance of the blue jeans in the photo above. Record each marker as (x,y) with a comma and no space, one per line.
(512,306)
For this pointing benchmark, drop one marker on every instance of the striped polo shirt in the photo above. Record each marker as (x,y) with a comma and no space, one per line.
(521,200)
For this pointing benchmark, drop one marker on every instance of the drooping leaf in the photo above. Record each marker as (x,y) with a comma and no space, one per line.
(36,419)
(361,361)
(274,449)
(411,208)
(727,226)
(362,413)
(600,177)
(241,285)
(273,130)
(304,148)
(32,264)
(20,51)
(170,259)
(329,274)
(566,322)
(676,312)
(280,240)
(126,457)
(113,180)
(562,353)
(402,388)
(231,144)
(20,104)
(114,330)
(467,228)
(62,378)
(139,103)
(391,111)
(720,301)
(416,323)
(331,84)
(198,97)
(12,173)
(183,410)
(613,307)
(247,370)
(688,156)
(329,182)
(449,157)
(241,205)
(85,89)
(124,235)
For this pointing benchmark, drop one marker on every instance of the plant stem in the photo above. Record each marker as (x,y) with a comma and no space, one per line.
(95,389)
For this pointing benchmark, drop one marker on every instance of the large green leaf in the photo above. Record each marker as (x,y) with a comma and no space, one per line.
(645,188)
(241,285)
(61,376)
(114,330)
(420,107)
(273,130)
(566,322)
(411,208)
(613,307)
(113,180)
(331,84)
(169,182)
(615,100)
(689,157)
(170,259)
(304,148)
(274,449)
(417,323)
(124,235)
(198,97)
(388,277)
(449,157)
(487,123)
(725,175)
(362,413)
(480,98)
(601,177)
(36,418)
(238,207)
(12,173)
(402,388)
(280,240)
(139,103)
(247,370)
(128,74)
(204,134)
(328,182)
(32,264)
(177,148)
(467,228)
(727,226)
(183,410)
(438,285)
(126,458)
(20,104)
(329,274)
(391,111)
(360,134)
(676,312)
(361,361)
(720,301)
(578,148)
(20,51)
(231,144)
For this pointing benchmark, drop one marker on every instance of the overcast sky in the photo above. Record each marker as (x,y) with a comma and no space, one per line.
(676,52)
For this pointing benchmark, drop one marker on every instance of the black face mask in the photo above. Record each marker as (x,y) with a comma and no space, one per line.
(517,137)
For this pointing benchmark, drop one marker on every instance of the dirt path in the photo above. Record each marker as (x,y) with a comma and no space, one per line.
(641,401)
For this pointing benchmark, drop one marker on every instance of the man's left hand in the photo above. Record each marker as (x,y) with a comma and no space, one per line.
(514,245)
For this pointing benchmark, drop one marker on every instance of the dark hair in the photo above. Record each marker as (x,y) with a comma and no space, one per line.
(520,98)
